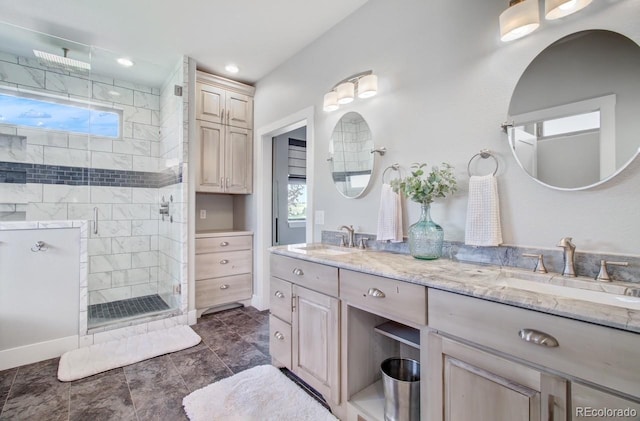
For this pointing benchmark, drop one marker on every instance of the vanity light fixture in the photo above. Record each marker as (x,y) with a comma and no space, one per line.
(362,85)
(556,9)
(522,16)
(520,19)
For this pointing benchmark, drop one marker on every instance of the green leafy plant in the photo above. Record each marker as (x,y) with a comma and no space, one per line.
(425,188)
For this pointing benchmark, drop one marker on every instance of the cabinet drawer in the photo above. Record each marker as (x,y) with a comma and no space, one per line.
(215,244)
(214,265)
(391,298)
(216,291)
(311,275)
(595,353)
(280,341)
(280,301)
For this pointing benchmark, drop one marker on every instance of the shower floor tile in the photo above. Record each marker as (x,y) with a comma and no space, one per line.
(123,309)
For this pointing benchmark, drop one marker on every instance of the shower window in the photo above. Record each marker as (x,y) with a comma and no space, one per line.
(51,113)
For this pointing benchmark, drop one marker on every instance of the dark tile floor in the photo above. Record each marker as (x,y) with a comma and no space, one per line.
(232,341)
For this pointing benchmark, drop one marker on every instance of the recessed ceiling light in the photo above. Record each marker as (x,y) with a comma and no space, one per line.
(231,68)
(125,62)
(114,93)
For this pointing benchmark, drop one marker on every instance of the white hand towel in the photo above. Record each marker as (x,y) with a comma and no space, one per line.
(483,212)
(390,215)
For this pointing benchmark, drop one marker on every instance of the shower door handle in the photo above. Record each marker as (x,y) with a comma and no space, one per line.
(95,220)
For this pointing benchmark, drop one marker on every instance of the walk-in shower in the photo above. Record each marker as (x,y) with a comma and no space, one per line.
(103,144)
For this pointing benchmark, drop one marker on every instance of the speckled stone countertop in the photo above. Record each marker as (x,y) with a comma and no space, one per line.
(615,304)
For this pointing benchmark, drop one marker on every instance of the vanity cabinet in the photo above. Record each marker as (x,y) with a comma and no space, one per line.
(465,383)
(223,269)
(224,141)
(491,350)
(305,323)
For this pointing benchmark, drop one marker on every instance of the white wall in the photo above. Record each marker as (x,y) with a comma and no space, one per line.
(445,83)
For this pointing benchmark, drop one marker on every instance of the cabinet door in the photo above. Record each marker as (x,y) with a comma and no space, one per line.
(465,383)
(238,160)
(239,109)
(210,150)
(588,403)
(316,341)
(211,103)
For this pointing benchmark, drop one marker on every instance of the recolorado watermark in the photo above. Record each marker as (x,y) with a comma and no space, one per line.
(588,412)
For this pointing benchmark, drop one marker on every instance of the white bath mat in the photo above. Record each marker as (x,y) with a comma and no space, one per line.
(94,359)
(260,393)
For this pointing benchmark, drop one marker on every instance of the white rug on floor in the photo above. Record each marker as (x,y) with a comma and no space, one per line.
(260,393)
(94,359)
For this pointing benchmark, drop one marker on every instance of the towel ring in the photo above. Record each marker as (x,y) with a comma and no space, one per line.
(484,154)
(394,167)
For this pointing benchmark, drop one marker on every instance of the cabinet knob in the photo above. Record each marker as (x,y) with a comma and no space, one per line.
(224,261)
(279,336)
(538,338)
(224,244)
(375,292)
(225,286)
(298,272)
(279,294)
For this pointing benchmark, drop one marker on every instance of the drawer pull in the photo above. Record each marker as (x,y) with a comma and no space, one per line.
(279,336)
(279,294)
(224,261)
(538,338)
(298,272)
(224,244)
(375,292)
(225,286)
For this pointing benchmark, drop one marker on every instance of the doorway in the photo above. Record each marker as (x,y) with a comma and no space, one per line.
(289,181)
(263,197)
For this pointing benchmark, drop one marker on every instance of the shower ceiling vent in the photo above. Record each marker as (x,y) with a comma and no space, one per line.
(62,62)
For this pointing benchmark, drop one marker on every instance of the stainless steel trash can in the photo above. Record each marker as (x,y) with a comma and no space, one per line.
(401,384)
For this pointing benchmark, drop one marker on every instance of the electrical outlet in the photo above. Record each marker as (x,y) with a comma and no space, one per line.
(203,214)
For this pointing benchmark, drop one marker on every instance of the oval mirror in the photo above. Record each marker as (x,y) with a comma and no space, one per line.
(350,157)
(575,110)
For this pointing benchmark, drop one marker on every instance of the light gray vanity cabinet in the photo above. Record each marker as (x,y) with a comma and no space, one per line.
(305,323)
(491,350)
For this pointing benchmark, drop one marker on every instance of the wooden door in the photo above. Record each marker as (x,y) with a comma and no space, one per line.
(210,103)
(210,157)
(465,383)
(316,341)
(239,109)
(238,160)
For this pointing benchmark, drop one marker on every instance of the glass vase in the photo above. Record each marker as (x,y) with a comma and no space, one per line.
(426,237)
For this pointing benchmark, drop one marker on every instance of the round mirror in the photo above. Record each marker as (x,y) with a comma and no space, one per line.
(350,156)
(575,110)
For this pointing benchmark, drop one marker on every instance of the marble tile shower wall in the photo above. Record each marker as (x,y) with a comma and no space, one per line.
(124,256)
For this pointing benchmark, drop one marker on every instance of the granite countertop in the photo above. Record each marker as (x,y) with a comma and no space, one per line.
(614,305)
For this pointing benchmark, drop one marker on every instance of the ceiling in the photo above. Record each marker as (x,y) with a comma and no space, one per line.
(256,35)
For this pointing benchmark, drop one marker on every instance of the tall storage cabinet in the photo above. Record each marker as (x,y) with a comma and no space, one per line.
(224,114)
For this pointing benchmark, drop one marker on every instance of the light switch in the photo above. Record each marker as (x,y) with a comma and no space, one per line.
(319,217)
(203,214)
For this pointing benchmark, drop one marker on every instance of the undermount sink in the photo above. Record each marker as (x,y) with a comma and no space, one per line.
(619,294)
(325,249)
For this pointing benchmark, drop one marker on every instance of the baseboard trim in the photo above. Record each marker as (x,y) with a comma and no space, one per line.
(40,351)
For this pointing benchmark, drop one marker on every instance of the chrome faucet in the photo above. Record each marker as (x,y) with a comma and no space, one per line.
(352,234)
(569,251)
